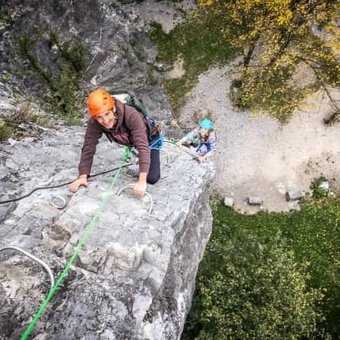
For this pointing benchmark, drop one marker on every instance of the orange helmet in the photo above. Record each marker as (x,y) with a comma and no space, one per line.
(99,101)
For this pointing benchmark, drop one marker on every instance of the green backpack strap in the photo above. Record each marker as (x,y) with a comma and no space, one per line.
(126,97)
(138,105)
(129,99)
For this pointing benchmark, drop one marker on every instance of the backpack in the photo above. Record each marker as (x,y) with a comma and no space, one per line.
(129,99)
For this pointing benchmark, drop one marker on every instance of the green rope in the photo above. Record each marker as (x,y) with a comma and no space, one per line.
(76,250)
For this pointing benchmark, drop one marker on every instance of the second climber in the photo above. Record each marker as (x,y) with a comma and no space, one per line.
(202,139)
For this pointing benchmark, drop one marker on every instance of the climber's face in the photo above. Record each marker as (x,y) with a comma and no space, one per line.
(107,119)
(204,133)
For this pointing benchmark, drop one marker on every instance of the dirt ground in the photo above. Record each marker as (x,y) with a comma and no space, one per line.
(256,156)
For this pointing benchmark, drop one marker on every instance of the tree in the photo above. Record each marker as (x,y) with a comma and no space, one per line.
(279,38)
(249,290)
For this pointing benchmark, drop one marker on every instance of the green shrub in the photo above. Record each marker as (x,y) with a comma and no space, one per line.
(300,246)
(199,43)
(6,130)
(249,290)
(318,191)
(62,95)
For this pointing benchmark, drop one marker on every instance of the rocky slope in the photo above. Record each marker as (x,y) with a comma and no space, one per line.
(118,52)
(134,277)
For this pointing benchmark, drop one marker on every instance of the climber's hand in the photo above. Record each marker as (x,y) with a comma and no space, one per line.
(80,181)
(201,158)
(139,188)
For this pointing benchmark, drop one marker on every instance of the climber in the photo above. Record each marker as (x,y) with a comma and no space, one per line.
(124,125)
(202,138)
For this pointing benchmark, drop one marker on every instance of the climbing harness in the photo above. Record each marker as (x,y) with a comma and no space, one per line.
(34,258)
(87,232)
(149,197)
(157,143)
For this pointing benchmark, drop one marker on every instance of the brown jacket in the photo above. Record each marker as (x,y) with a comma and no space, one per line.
(129,130)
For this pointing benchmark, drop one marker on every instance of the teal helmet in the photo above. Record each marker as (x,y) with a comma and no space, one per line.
(206,124)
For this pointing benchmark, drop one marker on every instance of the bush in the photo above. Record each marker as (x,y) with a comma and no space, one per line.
(6,130)
(61,94)
(318,190)
(249,290)
(300,246)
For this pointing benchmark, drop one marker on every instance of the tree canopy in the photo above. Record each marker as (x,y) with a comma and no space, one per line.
(280,39)
(251,290)
(270,275)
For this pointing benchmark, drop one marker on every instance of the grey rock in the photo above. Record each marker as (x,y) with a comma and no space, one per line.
(119,51)
(134,276)
(228,201)
(294,195)
(254,200)
(5,210)
(324,186)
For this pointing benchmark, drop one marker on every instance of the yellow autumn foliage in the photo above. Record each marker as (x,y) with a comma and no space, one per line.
(277,37)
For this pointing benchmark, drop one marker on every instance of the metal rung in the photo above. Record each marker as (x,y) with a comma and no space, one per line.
(168,158)
(131,186)
(34,258)
(58,202)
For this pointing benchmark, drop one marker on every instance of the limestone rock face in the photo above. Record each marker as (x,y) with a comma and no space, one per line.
(118,51)
(134,275)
